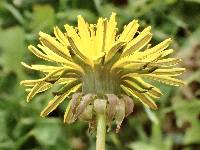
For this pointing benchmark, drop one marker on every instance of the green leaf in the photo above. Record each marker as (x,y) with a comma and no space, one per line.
(47,131)
(12,44)
(15,12)
(192,134)
(43,18)
(186,110)
(5,141)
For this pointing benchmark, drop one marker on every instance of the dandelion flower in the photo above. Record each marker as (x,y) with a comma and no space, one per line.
(101,71)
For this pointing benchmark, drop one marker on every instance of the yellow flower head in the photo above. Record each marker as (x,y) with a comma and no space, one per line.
(100,69)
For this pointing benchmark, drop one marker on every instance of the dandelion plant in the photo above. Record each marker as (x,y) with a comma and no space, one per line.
(101,71)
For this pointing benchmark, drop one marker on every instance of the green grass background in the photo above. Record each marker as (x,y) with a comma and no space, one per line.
(175,126)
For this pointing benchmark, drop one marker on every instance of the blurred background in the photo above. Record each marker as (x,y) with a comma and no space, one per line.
(175,126)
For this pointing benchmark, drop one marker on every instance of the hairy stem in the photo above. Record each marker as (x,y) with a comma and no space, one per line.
(101,132)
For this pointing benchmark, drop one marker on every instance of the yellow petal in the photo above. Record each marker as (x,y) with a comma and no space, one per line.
(53,56)
(127,62)
(43,88)
(138,43)
(169,72)
(164,79)
(56,58)
(68,113)
(84,33)
(42,68)
(167,52)
(30,82)
(38,53)
(133,86)
(152,90)
(79,52)
(137,80)
(154,50)
(110,32)
(161,46)
(166,62)
(53,104)
(76,41)
(129,31)
(99,38)
(35,90)
(72,32)
(142,97)
(60,36)
(117,46)
(53,45)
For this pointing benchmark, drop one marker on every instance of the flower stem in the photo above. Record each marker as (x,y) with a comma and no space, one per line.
(101,132)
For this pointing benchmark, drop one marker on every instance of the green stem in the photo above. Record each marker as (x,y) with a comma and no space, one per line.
(101,132)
